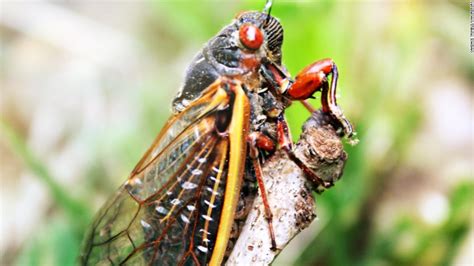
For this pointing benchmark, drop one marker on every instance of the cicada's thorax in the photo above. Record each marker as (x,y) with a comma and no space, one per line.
(224,56)
(217,60)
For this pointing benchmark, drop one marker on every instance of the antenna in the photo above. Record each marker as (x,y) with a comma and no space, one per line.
(268,7)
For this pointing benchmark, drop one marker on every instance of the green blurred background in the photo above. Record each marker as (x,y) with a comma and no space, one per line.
(85,86)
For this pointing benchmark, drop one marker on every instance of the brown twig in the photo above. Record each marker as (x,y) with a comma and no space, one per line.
(289,193)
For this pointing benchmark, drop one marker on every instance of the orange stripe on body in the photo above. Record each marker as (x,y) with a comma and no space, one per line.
(238,130)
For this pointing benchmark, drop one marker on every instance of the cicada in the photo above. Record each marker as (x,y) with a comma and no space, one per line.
(184,201)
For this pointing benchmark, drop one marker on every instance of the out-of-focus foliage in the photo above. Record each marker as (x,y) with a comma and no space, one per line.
(75,121)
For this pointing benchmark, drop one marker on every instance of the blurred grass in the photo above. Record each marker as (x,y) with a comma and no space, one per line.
(58,242)
(75,210)
(383,54)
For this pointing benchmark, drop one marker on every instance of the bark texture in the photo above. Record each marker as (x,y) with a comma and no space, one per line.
(289,192)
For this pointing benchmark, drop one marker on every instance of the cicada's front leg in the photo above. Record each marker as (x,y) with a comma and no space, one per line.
(314,78)
(311,79)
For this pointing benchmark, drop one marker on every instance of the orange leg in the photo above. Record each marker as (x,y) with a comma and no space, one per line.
(308,106)
(311,79)
(259,140)
(266,205)
(314,78)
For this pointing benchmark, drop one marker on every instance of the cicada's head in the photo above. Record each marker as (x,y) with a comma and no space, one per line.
(260,31)
(243,45)
(239,49)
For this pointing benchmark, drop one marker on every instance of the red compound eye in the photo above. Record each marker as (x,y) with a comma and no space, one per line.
(251,36)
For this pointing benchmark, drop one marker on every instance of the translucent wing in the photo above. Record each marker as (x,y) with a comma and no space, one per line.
(168,211)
